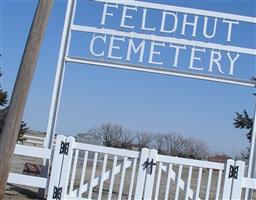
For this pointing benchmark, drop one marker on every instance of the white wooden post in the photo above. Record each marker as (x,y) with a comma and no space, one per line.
(150,175)
(141,174)
(56,167)
(227,181)
(237,181)
(66,165)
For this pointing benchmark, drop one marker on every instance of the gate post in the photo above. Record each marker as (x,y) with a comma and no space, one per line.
(150,174)
(228,180)
(53,184)
(238,175)
(66,166)
(141,174)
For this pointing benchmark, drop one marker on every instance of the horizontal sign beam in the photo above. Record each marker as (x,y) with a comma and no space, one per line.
(182,10)
(164,39)
(103,63)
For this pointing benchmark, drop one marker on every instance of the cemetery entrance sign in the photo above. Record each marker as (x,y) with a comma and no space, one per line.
(156,38)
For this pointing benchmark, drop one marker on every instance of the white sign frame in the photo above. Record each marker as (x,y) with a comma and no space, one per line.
(63,58)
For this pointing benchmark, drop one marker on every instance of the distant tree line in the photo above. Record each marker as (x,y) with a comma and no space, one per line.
(114,135)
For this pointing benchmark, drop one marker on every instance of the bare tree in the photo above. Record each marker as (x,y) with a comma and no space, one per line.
(110,134)
(144,140)
(126,140)
(196,149)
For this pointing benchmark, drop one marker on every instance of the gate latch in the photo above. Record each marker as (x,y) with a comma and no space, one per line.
(64,148)
(57,193)
(149,165)
(233,171)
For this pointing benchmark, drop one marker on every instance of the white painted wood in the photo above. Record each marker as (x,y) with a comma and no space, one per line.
(112,178)
(249,183)
(102,175)
(122,179)
(179,9)
(73,174)
(227,181)
(66,166)
(218,185)
(150,177)
(36,152)
(199,178)
(158,180)
(188,182)
(168,182)
(56,167)
(134,165)
(178,183)
(93,174)
(83,173)
(107,150)
(209,181)
(237,182)
(26,180)
(141,174)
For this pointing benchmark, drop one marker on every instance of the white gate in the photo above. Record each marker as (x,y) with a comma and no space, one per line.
(84,171)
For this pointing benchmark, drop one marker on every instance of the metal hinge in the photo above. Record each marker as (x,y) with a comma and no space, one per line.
(64,148)
(149,165)
(57,193)
(233,171)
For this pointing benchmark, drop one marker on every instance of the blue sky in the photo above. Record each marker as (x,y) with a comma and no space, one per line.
(138,101)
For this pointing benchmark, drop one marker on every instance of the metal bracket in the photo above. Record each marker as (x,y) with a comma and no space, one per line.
(57,193)
(64,148)
(149,165)
(233,171)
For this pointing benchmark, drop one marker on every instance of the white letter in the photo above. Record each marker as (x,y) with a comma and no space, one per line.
(194,24)
(192,58)
(92,45)
(215,60)
(206,25)
(111,47)
(153,52)
(230,24)
(177,51)
(105,13)
(232,63)
(140,48)
(125,16)
(143,25)
(164,19)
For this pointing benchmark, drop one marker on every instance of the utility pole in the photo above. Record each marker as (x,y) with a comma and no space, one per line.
(9,135)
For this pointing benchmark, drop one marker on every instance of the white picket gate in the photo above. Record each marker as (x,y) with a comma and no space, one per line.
(84,171)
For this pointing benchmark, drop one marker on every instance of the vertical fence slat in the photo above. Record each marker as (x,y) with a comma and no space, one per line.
(158,180)
(227,181)
(83,173)
(73,175)
(218,185)
(168,182)
(178,183)
(150,176)
(132,178)
(93,174)
(208,188)
(141,174)
(198,185)
(122,178)
(66,167)
(56,167)
(112,178)
(102,175)
(188,182)
(237,182)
